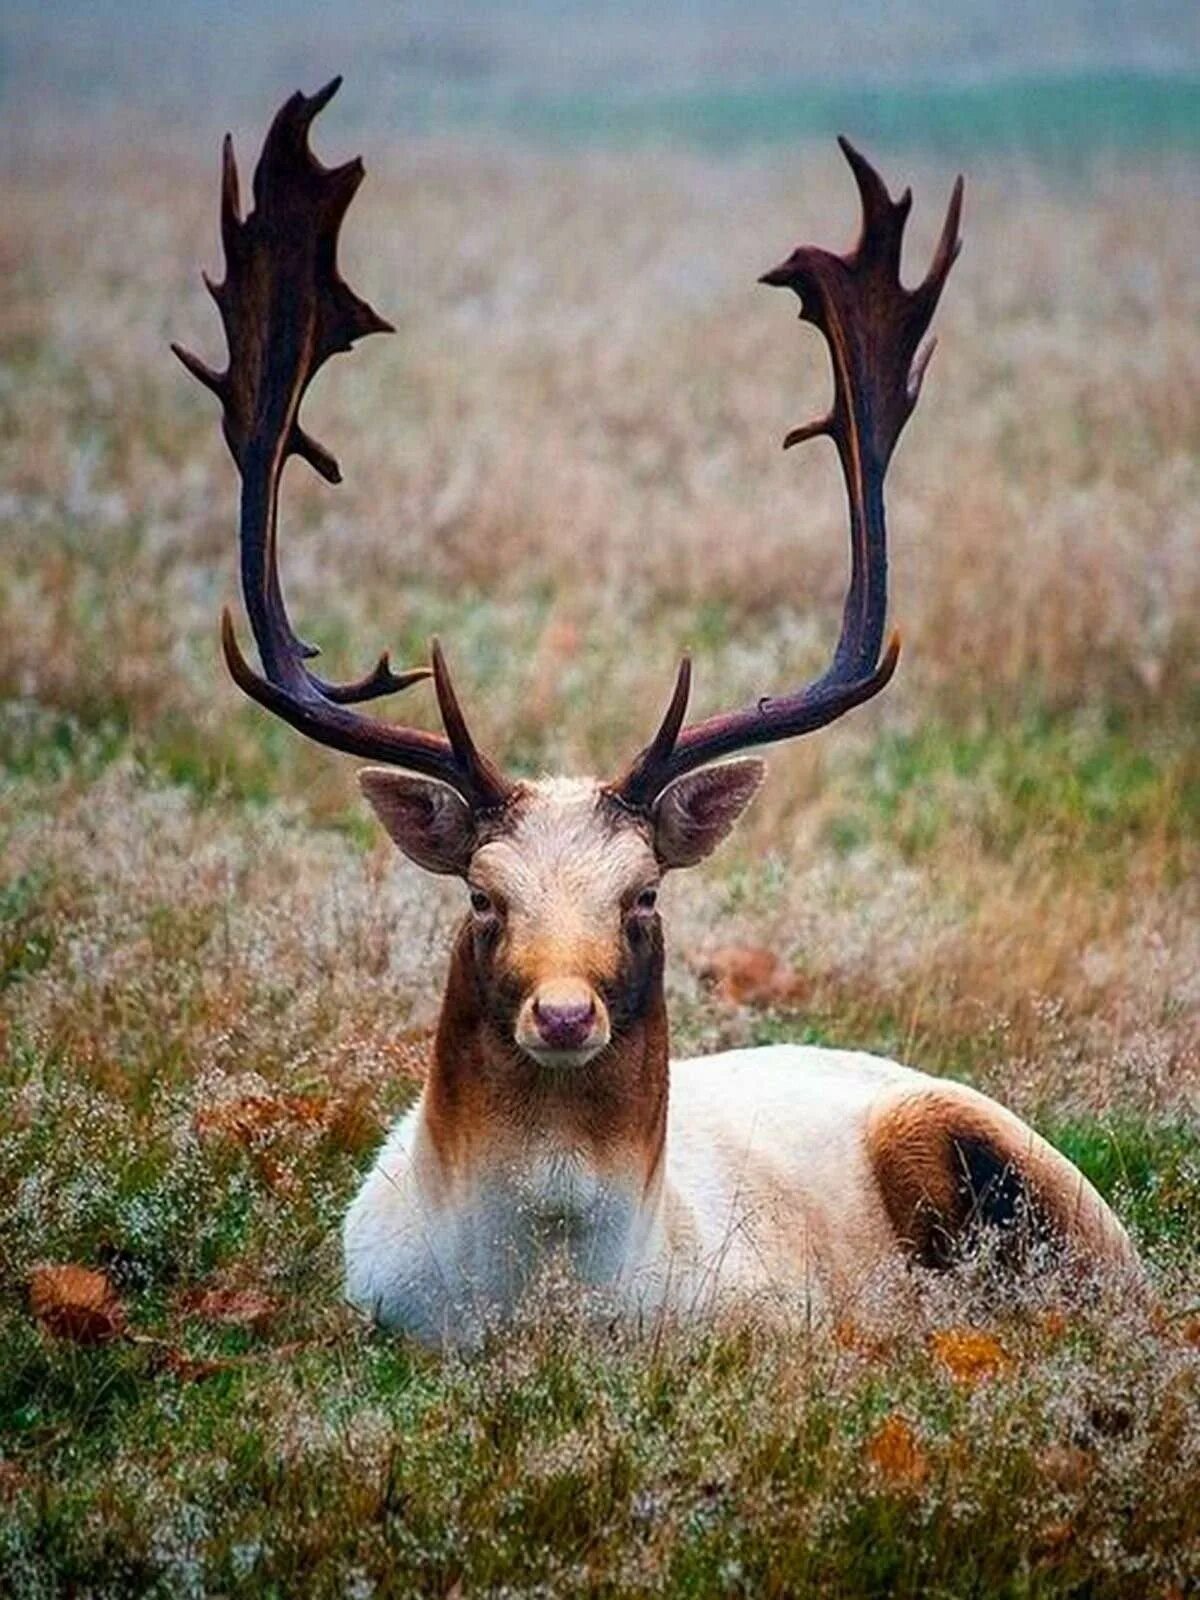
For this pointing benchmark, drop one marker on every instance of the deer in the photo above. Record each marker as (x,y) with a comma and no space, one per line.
(552,1123)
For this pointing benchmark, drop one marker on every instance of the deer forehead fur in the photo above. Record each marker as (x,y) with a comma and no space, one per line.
(562,872)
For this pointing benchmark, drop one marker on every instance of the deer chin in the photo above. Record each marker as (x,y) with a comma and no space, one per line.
(564,1061)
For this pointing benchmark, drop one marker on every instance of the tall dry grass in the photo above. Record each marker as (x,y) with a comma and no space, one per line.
(579,420)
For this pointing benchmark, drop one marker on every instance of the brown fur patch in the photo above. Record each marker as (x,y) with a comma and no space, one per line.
(952,1164)
(485,1099)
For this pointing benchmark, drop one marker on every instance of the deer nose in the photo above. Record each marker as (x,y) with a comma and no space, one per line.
(564,1023)
(563,1020)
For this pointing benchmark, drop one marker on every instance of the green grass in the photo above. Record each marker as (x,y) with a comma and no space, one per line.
(26,945)
(571,1463)
(569,1457)
(1150,1173)
(1075,787)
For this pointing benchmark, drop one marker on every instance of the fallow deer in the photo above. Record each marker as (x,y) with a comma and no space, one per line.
(552,1119)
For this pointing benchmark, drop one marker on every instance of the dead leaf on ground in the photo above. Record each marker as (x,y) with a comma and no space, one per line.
(77,1303)
(969,1354)
(862,1341)
(350,1121)
(1052,1542)
(234,1308)
(193,1369)
(896,1454)
(1054,1323)
(749,975)
(12,1477)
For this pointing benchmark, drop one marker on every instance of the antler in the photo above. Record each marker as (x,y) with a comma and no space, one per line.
(286,310)
(873,327)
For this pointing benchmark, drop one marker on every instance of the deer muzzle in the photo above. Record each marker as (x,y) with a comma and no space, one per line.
(564,1022)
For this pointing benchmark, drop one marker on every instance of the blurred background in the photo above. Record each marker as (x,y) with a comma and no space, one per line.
(566,461)
(973,75)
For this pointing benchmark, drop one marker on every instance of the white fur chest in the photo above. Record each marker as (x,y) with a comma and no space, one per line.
(441,1259)
(544,1203)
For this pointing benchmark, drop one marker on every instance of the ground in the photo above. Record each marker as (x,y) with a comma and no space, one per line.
(217,980)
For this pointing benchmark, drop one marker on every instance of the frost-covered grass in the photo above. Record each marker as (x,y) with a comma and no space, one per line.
(217,984)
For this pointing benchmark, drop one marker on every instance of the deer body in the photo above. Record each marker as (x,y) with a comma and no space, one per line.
(763,1185)
(552,1123)
(769,1190)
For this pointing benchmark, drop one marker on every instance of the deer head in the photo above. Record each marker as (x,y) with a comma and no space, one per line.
(562,947)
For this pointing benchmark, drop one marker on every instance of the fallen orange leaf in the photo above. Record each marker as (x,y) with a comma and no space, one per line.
(1052,1542)
(236,1308)
(969,1354)
(870,1344)
(1067,1466)
(748,975)
(895,1452)
(192,1369)
(255,1115)
(77,1303)
(1054,1323)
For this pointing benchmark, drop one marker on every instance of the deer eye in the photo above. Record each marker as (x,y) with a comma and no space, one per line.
(481,904)
(646,901)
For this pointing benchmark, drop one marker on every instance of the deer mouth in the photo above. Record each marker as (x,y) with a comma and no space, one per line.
(563,1060)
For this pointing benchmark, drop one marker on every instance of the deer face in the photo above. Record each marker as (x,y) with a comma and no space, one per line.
(563,890)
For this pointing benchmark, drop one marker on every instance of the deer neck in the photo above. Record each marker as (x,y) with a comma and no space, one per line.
(489,1108)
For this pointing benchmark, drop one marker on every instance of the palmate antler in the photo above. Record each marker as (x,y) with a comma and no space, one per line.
(286,310)
(874,327)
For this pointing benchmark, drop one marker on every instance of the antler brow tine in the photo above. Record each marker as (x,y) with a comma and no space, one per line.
(286,309)
(874,329)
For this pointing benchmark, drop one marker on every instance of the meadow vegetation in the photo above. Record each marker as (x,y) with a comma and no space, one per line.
(217,980)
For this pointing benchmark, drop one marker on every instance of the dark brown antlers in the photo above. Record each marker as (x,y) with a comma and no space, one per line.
(286,310)
(874,327)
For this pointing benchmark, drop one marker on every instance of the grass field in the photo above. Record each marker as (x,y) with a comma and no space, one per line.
(217,981)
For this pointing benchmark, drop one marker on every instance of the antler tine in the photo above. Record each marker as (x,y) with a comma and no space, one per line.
(874,329)
(642,775)
(286,309)
(949,246)
(883,219)
(485,777)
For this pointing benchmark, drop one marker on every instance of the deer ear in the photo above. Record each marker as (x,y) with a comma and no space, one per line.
(697,811)
(430,823)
